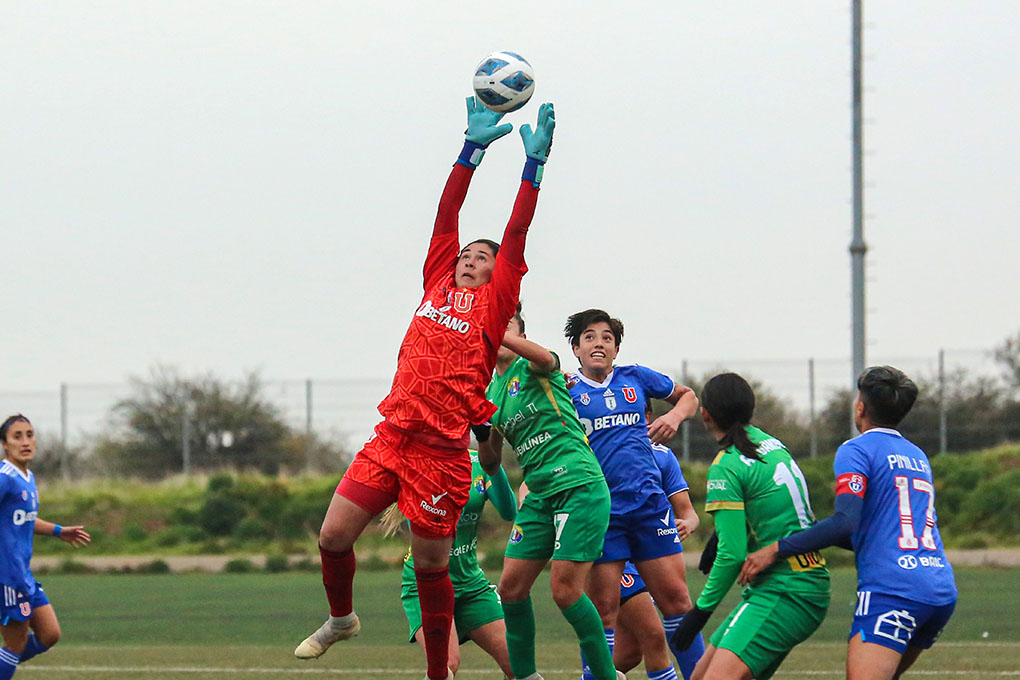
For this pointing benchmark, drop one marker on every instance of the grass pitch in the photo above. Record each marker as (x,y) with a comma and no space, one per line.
(170,627)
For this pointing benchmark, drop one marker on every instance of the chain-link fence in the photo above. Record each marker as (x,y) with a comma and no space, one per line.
(813,394)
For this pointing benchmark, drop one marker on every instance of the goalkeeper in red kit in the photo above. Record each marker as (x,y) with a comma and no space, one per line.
(418,454)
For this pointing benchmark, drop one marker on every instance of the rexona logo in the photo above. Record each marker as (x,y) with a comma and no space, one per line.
(431,508)
(441,317)
(20,517)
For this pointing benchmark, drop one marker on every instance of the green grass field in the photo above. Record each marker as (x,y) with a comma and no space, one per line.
(163,627)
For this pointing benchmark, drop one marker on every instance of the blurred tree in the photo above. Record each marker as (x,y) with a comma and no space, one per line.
(1008,354)
(229,425)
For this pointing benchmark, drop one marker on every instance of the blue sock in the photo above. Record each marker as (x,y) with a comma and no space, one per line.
(668,673)
(586,673)
(8,663)
(685,661)
(32,648)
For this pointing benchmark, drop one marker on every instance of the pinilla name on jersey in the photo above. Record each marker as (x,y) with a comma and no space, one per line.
(900,462)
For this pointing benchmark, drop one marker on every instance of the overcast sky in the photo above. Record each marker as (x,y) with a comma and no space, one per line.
(229,186)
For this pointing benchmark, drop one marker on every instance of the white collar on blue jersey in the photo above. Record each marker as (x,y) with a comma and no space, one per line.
(884,430)
(8,465)
(591,383)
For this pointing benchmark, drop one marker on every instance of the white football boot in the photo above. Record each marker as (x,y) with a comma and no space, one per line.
(335,629)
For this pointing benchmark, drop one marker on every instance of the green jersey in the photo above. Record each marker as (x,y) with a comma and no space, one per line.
(772,496)
(537,418)
(464,569)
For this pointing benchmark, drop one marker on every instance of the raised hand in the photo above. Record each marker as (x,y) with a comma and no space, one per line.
(483,128)
(537,143)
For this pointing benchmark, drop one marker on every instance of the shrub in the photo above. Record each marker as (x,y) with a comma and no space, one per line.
(154,567)
(239,565)
(134,533)
(277,563)
(220,514)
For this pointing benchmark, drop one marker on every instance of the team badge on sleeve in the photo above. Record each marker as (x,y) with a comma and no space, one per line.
(851,482)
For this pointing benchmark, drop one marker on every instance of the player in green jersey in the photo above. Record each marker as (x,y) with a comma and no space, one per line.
(566,512)
(477,612)
(757,495)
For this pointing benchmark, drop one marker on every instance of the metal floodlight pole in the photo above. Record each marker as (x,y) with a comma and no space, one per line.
(857,245)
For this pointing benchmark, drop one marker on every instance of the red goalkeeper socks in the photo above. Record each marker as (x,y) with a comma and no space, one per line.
(435,593)
(338,579)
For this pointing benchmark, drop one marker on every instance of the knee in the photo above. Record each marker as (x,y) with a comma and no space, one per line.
(674,601)
(513,590)
(48,638)
(453,662)
(565,593)
(334,536)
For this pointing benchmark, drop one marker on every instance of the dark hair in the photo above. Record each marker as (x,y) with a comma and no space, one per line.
(493,246)
(888,394)
(517,317)
(729,399)
(16,418)
(579,323)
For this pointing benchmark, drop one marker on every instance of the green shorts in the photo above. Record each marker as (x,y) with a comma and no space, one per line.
(473,607)
(766,626)
(570,525)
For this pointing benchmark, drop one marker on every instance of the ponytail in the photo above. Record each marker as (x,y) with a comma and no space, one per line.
(736,436)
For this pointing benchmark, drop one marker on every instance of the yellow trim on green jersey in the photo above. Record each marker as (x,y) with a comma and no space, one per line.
(724,505)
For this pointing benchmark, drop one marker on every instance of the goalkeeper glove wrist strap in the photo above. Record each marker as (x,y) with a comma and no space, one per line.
(533,171)
(471,155)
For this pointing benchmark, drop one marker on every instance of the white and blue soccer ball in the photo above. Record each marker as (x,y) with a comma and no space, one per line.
(504,81)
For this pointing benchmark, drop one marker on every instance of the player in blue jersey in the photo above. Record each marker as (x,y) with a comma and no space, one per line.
(24,605)
(885,507)
(610,402)
(638,622)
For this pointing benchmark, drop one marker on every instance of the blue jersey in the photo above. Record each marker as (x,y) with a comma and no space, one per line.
(897,546)
(613,415)
(19,505)
(672,476)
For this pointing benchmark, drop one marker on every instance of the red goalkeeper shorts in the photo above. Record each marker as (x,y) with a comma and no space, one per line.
(429,483)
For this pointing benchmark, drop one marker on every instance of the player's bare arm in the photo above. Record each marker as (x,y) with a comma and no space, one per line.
(72,535)
(541,359)
(687,520)
(490,451)
(685,405)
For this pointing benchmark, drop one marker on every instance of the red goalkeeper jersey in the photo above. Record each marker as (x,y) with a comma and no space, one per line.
(449,351)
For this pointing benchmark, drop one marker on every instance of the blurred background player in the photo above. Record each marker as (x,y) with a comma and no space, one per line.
(566,510)
(477,611)
(885,507)
(418,454)
(638,621)
(757,494)
(610,401)
(24,605)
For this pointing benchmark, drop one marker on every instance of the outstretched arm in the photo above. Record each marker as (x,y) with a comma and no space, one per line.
(482,130)
(542,360)
(75,535)
(537,144)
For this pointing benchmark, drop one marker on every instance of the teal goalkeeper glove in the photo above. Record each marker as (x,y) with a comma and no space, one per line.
(482,126)
(538,143)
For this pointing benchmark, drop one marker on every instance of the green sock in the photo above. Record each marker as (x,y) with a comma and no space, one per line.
(585,620)
(520,636)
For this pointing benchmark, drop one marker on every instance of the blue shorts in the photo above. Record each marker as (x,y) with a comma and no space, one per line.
(898,623)
(16,606)
(631,583)
(644,534)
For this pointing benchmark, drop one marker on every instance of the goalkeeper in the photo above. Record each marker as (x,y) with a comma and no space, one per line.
(418,455)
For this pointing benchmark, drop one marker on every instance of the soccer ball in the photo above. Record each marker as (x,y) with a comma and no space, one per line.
(504,81)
